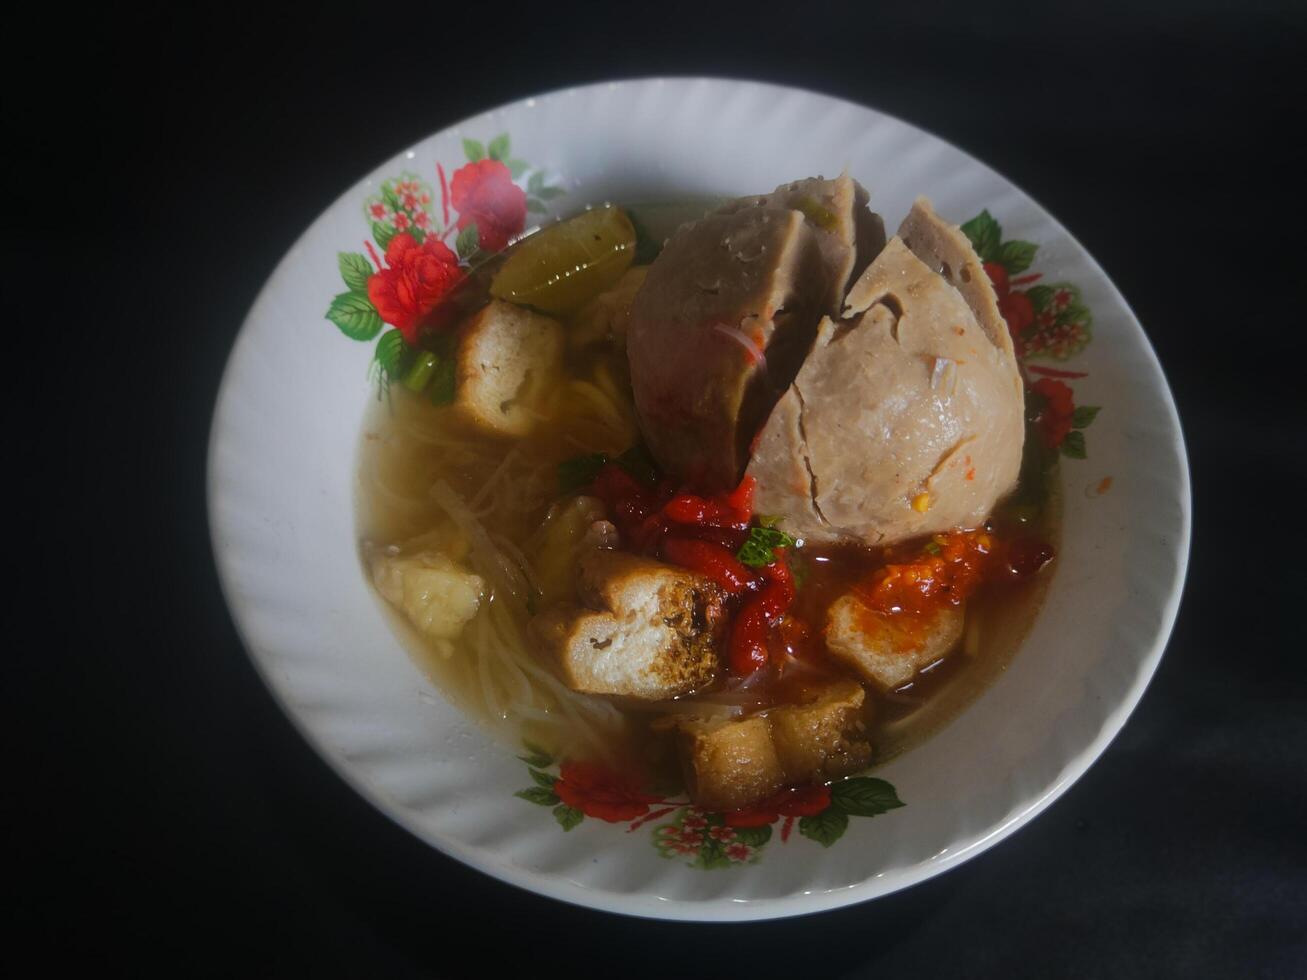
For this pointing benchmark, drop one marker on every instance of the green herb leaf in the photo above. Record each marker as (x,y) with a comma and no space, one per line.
(535,182)
(568,816)
(1084,416)
(1074,445)
(986,236)
(355,315)
(516,167)
(826,827)
(498,147)
(382,234)
(392,354)
(536,205)
(1016,256)
(538,757)
(538,795)
(932,548)
(580,471)
(549,193)
(753,836)
(542,778)
(474,149)
(355,270)
(864,796)
(760,548)
(467,241)
(639,464)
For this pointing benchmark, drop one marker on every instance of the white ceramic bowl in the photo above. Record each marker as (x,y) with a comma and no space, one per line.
(282,482)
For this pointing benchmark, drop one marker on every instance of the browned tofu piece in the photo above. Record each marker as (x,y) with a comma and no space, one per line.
(888,650)
(646,629)
(508,358)
(729,765)
(823,739)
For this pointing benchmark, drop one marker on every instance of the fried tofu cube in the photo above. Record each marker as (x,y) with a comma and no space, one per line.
(889,649)
(824,738)
(437,595)
(508,359)
(646,629)
(729,765)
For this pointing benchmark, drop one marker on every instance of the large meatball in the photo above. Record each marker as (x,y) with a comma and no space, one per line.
(907,417)
(727,314)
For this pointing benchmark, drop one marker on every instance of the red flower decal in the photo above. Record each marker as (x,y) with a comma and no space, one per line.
(806,801)
(1054,419)
(416,279)
(484,193)
(600,792)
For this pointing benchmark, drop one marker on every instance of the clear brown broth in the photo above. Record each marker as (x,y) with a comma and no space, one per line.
(897,721)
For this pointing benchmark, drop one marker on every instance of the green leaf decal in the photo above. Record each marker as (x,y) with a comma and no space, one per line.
(753,836)
(535,182)
(466,242)
(1016,257)
(474,149)
(538,795)
(712,855)
(826,827)
(355,315)
(567,816)
(516,167)
(1040,297)
(549,193)
(1074,445)
(1084,416)
(542,779)
(355,270)
(536,205)
(865,796)
(986,236)
(390,197)
(538,757)
(498,148)
(382,234)
(392,355)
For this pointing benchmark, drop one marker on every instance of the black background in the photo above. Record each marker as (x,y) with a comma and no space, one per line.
(161,166)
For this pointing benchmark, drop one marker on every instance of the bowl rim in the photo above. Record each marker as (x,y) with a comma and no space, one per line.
(722,909)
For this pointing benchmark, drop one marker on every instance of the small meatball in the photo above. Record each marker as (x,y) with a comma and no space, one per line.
(647,630)
(888,649)
(729,765)
(437,595)
(824,738)
(508,359)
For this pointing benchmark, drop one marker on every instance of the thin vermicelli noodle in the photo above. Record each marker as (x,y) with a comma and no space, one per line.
(474,500)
